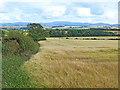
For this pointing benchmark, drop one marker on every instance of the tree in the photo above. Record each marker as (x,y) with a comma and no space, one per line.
(36,31)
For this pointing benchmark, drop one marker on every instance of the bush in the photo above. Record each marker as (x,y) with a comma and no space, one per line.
(18,44)
(93,38)
(16,49)
(67,38)
(114,39)
(76,38)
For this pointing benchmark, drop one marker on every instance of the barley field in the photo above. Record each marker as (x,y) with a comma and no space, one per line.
(69,63)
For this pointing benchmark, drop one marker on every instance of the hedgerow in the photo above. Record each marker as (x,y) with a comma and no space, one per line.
(16,49)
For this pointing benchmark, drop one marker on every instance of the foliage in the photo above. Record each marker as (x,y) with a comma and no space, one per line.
(37,32)
(79,33)
(76,38)
(16,43)
(16,49)
(67,38)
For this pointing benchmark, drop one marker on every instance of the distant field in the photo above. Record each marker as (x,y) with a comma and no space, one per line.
(105,37)
(73,63)
(118,32)
(82,38)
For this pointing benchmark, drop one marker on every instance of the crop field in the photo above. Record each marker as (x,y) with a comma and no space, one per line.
(70,63)
(81,38)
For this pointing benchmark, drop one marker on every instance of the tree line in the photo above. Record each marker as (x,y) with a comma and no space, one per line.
(37,32)
(79,33)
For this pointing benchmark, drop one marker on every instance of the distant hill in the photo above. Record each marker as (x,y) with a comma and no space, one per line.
(61,23)
(64,23)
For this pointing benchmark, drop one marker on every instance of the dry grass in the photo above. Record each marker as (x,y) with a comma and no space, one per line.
(75,64)
(100,37)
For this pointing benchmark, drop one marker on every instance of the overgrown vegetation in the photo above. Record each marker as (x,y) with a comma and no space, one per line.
(16,49)
(17,44)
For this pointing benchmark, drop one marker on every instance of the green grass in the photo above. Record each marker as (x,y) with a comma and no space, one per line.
(0,64)
(13,76)
(16,50)
(73,63)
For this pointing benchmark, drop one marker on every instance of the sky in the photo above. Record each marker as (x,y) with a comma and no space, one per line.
(85,11)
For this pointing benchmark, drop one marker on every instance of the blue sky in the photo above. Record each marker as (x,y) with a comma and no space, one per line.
(59,10)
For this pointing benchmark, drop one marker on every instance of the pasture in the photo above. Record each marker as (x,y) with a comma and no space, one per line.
(70,63)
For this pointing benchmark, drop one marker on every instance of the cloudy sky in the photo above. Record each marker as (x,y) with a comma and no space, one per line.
(91,11)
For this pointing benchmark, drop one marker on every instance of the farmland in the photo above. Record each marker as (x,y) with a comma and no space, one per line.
(59,44)
(89,38)
(71,63)
(52,59)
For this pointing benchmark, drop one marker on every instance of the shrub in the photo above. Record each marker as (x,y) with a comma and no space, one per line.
(76,38)
(16,49)
(67,38)
(114,39)
(10,47)
(93,38)
(18,44)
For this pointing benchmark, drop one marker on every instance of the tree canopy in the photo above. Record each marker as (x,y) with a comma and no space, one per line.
(36,31)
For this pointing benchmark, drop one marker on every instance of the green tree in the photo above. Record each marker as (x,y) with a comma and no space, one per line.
(36,31)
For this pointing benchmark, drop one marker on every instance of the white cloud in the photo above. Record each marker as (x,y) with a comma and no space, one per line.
(4,17)
(110,11)
(18,18)
(35,14)
(65,10)
(109,15)
(54,11)
(83,12)
(17,11)
(60,0)
(2,6)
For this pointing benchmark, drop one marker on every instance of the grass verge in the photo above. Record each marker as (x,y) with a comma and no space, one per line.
(13,75)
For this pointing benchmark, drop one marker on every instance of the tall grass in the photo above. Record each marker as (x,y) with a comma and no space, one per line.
(75,64)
